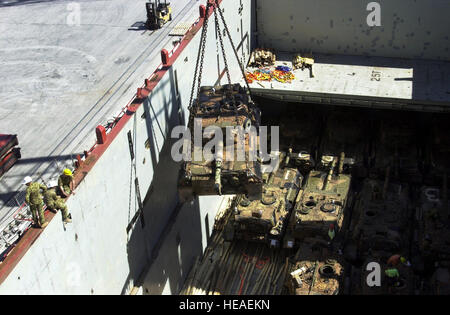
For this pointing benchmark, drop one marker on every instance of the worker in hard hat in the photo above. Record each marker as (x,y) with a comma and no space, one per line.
(65,183)
(33,198)
(55,202)
(397,259)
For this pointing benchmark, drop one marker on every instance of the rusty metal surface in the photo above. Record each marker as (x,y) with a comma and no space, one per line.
(266,220)
(222,107)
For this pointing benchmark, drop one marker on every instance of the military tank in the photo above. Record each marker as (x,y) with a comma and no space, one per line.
(265,220)
(321,203)
(381,228)
(316,270)
(434,233)
(230,169)
(382,218)
(430,250)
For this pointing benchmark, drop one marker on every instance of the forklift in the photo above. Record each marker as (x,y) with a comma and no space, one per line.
(158,14)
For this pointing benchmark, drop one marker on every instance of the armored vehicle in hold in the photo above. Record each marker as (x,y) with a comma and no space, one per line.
(433,226)
(265,220)
(381,228)
(346,132)
(321,203)
(316,270)
(382,218)
(230,169)
(399,146)
(301,130)
(433,240)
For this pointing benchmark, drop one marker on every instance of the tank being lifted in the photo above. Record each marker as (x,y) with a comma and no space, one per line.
(233,167)
(265,220)
(321,203)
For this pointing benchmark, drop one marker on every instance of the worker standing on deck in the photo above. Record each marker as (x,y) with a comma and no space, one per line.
(65,183)
(55,202)
(34,200)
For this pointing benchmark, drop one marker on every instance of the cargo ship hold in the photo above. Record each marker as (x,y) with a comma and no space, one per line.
(362,167)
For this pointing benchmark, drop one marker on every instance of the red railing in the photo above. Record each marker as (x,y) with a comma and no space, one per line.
(19,249)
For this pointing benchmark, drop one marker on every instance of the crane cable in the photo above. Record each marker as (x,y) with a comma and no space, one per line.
(201,54)
(241,66)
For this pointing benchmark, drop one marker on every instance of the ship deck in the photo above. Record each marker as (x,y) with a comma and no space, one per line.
(361,81)
(60,80)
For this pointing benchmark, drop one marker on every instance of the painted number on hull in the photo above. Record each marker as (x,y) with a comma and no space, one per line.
(376,76)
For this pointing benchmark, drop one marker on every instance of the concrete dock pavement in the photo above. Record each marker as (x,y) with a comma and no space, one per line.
(62,79)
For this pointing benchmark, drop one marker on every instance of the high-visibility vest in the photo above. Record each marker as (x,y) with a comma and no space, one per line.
(393,272)
(331,234)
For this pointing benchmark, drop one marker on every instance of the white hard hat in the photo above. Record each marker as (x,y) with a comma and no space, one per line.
(27,180)
(52,183)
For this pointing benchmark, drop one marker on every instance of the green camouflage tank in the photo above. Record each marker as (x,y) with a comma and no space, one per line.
(265,220)
(316,270)
(223,107)
(321,203)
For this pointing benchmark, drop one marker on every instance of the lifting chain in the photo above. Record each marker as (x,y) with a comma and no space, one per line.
(200,57)
(232,45)
(219,33)
(201,53)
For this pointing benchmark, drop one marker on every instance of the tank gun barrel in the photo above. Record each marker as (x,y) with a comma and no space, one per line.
(330,174)
(341,163)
